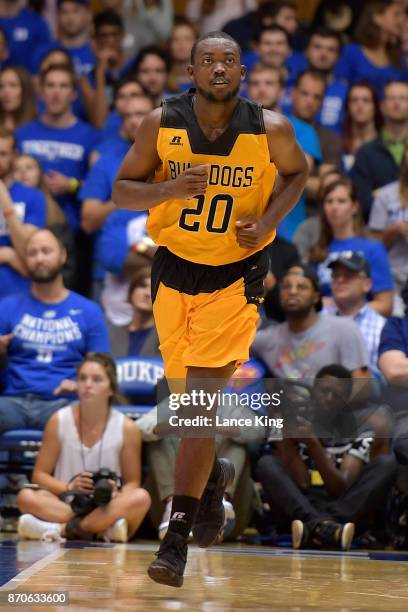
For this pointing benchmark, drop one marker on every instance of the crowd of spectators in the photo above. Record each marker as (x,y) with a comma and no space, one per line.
(77,77)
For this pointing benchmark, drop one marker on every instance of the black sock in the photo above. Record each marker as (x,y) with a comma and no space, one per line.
(183,511)
(215,472)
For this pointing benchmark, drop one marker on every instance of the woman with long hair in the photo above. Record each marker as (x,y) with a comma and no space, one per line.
(363,120)
(376,55)
(17,97)
(389,223)
(342,230)
(79,440)
(27,170)
(183,37)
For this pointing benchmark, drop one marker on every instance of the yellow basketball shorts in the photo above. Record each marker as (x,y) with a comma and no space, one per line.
(205,315)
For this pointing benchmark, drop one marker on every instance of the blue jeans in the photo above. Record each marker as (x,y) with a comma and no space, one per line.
(27,411)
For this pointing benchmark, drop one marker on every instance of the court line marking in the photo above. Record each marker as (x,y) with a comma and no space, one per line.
(33,569)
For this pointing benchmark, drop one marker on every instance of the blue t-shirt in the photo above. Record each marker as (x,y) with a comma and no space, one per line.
(136,341)
(117,237)
(64,150)
(394,337)
(112,125)
(115,144)
(25,33)
(83,57)
(309,141)
(353,65)
(375,254)
(50,341)
(332,113)
(31,207)
(98,186)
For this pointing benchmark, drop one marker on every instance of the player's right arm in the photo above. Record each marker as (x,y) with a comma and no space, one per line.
(132,188)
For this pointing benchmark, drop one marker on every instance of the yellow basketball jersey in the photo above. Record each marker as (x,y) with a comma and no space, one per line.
(240,182)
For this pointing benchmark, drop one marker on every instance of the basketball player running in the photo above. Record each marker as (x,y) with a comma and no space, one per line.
(225,173)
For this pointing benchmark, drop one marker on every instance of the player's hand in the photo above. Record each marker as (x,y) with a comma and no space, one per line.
(4,342)
(82,481)
(190,183)
(57,183)
(250,232)
(66,386)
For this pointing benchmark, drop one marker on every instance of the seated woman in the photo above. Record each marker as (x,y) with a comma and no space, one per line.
(140,336)
(78,441)
(389,222)
(17,97)
(362,122)
(342,230)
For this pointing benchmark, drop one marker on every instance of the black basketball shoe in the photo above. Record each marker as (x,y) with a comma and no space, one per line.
(210,518)
(171,560)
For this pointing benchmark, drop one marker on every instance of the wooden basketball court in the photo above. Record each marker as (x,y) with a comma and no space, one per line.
(224,578)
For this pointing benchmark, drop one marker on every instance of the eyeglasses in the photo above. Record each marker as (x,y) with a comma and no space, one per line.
(297,286)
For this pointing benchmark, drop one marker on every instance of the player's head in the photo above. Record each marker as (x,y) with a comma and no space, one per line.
(45,256)
(216,67)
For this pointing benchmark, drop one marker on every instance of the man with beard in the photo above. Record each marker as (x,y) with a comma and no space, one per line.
(45,333)
(214,203)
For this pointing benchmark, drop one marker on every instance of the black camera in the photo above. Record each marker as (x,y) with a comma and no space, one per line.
(83,503)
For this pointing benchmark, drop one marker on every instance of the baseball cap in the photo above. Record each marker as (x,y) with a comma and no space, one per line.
(306,271)
(352,260)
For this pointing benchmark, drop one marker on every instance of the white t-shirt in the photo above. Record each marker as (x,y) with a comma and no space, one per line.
(70,460)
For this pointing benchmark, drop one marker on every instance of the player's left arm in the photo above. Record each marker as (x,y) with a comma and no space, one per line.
(293,170)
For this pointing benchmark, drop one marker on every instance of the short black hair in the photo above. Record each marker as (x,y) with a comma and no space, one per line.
(59,68)
(151,50)
(274,28)
(334,369)
(325,32)
(338,371)
(109,18)
(125,80)
(217,34)
(315,74)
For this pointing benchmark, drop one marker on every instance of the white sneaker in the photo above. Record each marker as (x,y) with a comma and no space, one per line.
(32,528)
(118,532)
(165,520)
(164,525)
(229,521)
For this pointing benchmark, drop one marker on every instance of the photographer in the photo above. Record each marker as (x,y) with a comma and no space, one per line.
(70,498)
(321,475)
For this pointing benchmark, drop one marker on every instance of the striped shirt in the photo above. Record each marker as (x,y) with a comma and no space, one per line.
(370,323)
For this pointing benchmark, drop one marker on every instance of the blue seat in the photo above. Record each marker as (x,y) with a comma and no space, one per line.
(21,439)
(138,378)
(133,411)
(18,450)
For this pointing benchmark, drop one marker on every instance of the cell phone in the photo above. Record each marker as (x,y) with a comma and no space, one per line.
(32,486)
